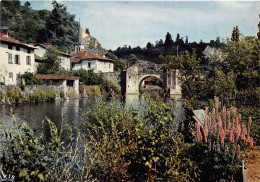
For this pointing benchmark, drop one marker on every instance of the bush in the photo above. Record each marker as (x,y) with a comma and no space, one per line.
(93,90)
(29,78)
(124,144)
(33,158)
(43,95)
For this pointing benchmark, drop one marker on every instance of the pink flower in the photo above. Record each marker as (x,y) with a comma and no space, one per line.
(238,132)
(238,149)
(219,123)
(239,117)
(231,136)
(198,133)
(251,143)
(205,132)
(228,114)
(222,136)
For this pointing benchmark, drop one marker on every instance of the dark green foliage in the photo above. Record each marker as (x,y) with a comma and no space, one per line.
(29,78)
(168,43)
(254,112)
(60,27)
(149,45)
(126,145)
(51,61)
(132,59)
(215,165)
(258,33)
(92,78)
(87,31)
(235,34)
(39,26)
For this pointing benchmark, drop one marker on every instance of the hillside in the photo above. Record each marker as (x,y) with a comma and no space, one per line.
(56,27)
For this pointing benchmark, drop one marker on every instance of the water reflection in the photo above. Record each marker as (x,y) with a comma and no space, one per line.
(34,114)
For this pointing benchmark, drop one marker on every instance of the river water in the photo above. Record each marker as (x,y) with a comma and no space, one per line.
(34,114)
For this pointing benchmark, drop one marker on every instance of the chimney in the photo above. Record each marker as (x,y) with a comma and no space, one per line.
(5,31)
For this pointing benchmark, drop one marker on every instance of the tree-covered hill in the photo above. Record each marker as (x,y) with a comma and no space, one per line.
(57,27)
(169,46)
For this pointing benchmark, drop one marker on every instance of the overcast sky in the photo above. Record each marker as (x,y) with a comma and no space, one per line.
(135,23)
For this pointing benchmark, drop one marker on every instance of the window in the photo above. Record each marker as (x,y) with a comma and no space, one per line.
(29,51)
(10,46)
(16,59)
(11,76)
(18,48)
(89,64)
(28,60)
(109,65)
(10,58)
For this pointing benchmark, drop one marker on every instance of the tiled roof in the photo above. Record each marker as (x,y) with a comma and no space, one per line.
(86,55)
(56,77)
(46,46)
(13,41)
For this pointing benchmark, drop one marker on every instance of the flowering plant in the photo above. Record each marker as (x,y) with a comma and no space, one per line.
(220,143)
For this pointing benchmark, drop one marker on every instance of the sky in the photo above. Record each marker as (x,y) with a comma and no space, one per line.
(135,23)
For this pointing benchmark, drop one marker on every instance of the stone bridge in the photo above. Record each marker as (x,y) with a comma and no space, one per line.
(131,79)
(134,77)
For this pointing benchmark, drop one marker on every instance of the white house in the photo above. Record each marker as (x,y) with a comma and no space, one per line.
(65,57)
(15,58)
(88,61)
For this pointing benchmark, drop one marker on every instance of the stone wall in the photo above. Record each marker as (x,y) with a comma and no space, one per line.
(115,76)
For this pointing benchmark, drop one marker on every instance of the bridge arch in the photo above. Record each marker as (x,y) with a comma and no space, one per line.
(134,78)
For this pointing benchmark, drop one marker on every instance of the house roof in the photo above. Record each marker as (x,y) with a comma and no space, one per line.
(87,55)
(55,77)
(46,46)
(14,41)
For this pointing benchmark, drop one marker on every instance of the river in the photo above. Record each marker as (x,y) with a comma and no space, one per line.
(34,114)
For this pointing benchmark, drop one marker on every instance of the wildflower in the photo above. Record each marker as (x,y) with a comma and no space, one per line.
(239,117)
(228,114)
(231,136)
(205,132)
(238,131)
(251,143)
(198,133)
(219,123)
(238,149)
(222,136)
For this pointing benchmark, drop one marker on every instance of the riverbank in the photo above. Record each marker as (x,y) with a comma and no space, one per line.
(32,94)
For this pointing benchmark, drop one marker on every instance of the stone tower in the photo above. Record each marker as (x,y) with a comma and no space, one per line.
(79,45)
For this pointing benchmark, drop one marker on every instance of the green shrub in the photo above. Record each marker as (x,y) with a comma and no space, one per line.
(29,78)
(124,144)
(41,158)
(62,95)
(254,113)
(93,90)
(72,94)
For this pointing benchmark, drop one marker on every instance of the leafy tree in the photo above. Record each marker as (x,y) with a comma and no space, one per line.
(87,31)
(61,27)
(191,85)
(168,43)
(258,33)
(179,40)
(235,34)
(132,59)
(51,61)
(149,45)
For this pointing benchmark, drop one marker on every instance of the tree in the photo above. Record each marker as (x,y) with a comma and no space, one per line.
(61,27)
(149,45)
(186,40)
(258,34)
(132,59)
(168,43)
(51,61)
(179,40)
(87,31)
(235,34)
